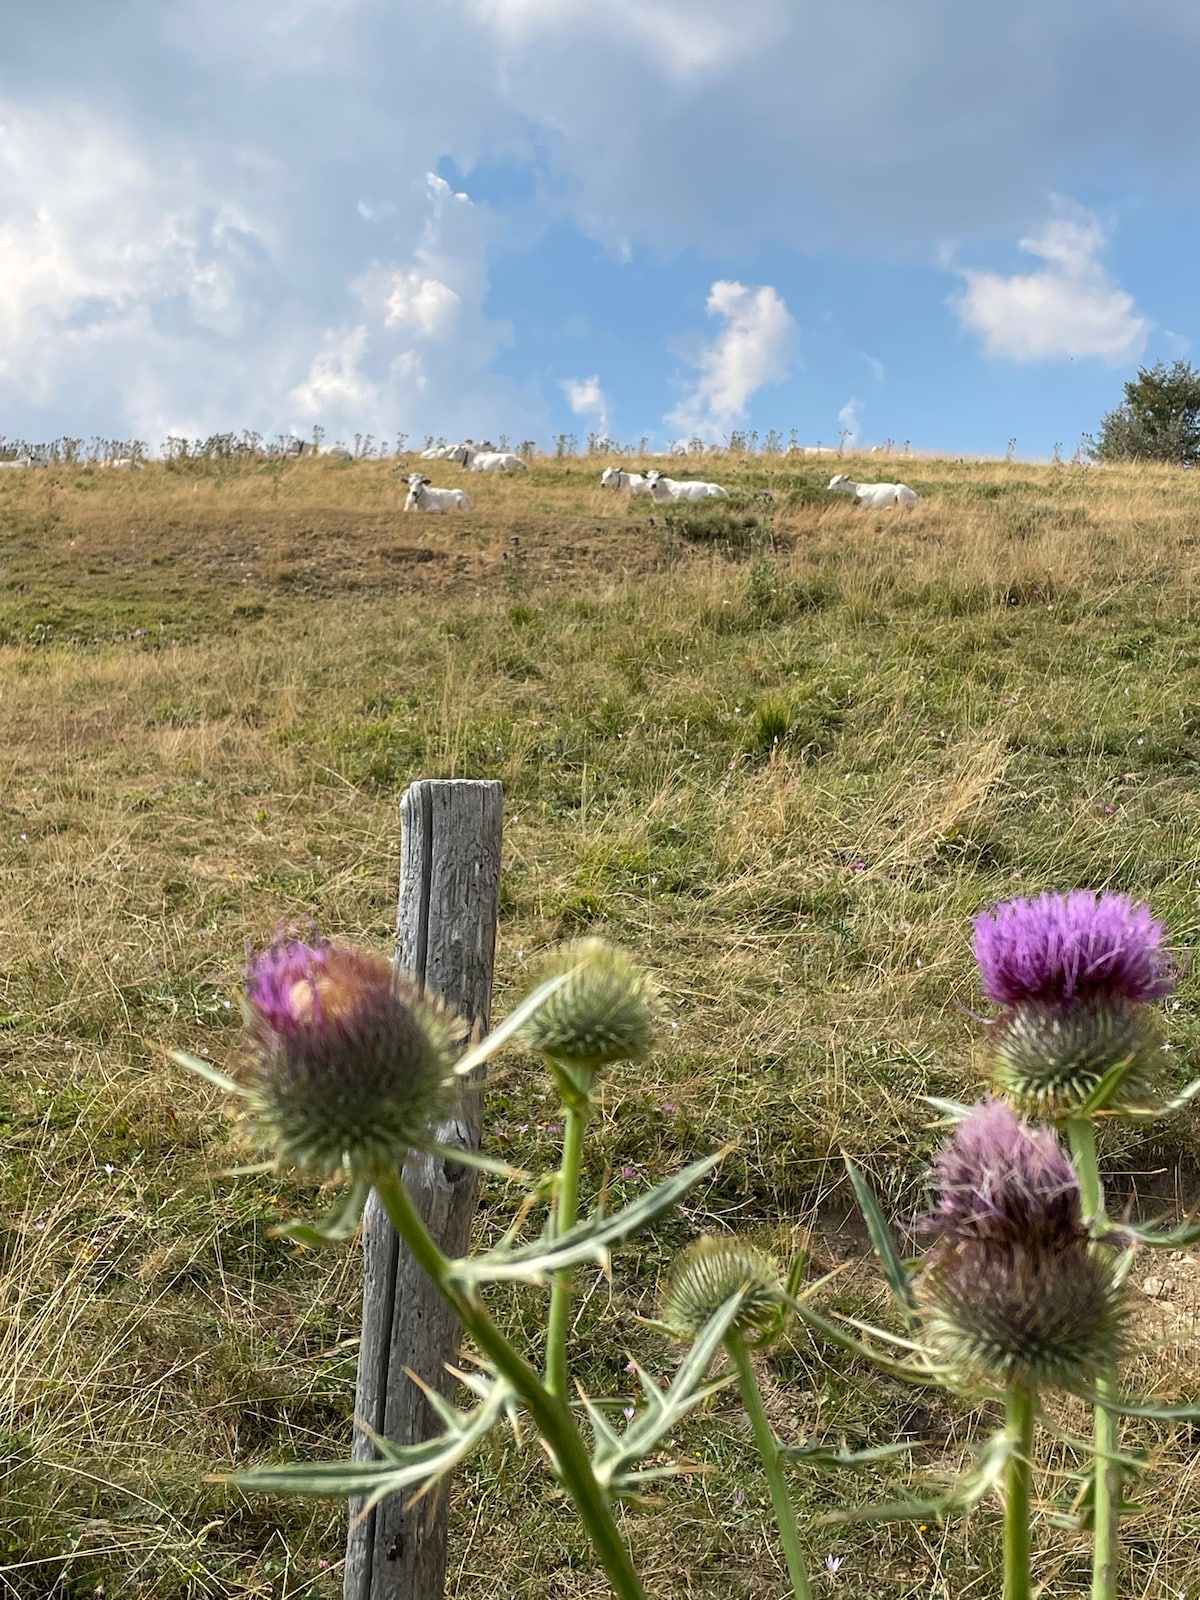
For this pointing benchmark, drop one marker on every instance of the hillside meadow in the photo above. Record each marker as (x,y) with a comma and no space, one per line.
(782,750)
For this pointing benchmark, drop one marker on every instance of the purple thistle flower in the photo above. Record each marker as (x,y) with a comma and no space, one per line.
(352,1062)
(1064,947)
(283,984)
(1016,1291)
(1000,1181)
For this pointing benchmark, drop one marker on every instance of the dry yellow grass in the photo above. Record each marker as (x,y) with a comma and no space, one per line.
(783,751)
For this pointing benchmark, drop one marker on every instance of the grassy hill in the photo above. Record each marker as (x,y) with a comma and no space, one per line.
(783,749)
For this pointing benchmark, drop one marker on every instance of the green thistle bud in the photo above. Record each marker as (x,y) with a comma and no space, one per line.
(603,1013)
(352,1062)
(704,1276)
(1051,1055)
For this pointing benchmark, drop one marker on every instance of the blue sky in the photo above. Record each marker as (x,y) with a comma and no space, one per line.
(943,224)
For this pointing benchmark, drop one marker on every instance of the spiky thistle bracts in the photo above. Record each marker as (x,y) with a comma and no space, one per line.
(351,1062)
(1051,1056)
(1046,1319)
(1073,974)
(603,1013)
(1016,1292)
(707,1273)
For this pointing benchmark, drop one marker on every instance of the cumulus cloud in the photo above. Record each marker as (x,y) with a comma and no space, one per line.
(1067,308)
(419,356)
(138,296)
(753,348)
(587,399)
(128,282)
(201,203)
(426,306)
(335,382)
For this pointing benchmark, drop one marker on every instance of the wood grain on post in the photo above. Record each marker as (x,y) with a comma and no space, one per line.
(446,936)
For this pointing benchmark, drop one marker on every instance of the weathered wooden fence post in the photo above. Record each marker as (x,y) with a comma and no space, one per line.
(446,935)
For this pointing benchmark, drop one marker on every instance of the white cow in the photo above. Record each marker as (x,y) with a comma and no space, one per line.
(422,496)
(487,460)
(21,464)
(875,495)
(811,450)
(122,464)
(631,482)
(446,452)
(671,489)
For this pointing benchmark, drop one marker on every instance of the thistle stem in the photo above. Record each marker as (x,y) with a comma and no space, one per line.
(1107,1495)
(566,1213)
(1019,1417)
(768,1449)
(550,1412)
(1106,1442)
(1081,1136)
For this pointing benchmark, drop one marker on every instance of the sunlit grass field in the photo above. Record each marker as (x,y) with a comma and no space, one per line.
(782,749)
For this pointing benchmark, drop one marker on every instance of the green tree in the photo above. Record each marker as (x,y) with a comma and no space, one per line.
(1159,419)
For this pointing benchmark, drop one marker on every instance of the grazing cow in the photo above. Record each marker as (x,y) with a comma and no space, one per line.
(422,496)
(666,490)
(876,495)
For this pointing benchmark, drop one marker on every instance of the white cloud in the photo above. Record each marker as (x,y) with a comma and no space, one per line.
(192,196)
(129,284)
(1068,308)
(425,306)
(753,348)
(850,420)
(336,384)
(420,356)
(587,399)
(876,366)
(139,297)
